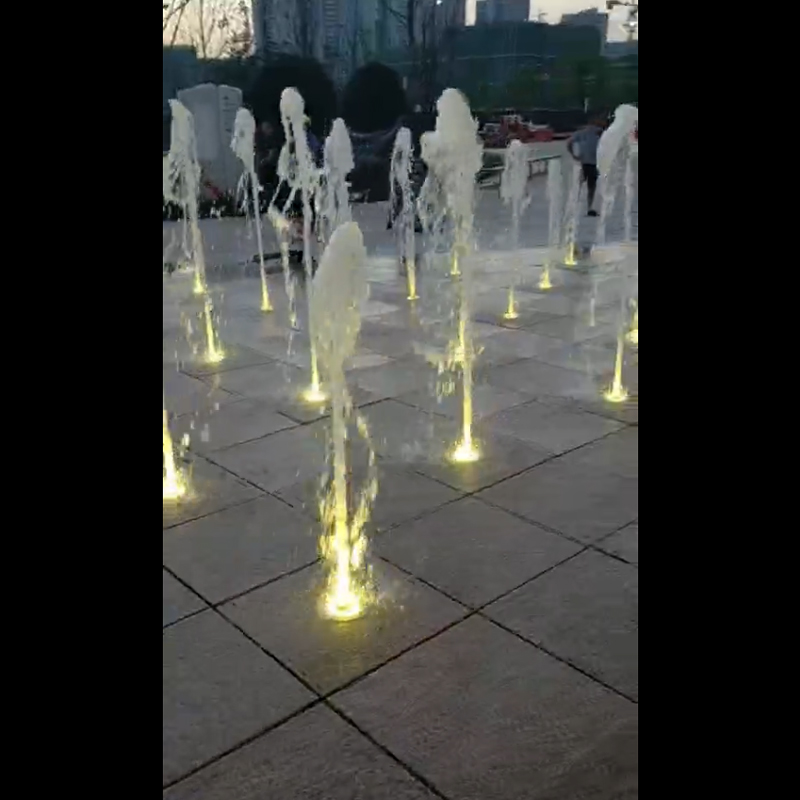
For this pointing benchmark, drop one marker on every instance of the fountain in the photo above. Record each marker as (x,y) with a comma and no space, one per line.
(296,166)
(282,229)
(454,156)
(181,185)
(174,482)
(340,289)
(615,139)
(334,191)
(571,211)
(555,190)
(617,393)
(400,176)
(633,333)
(244,131)
(513,190)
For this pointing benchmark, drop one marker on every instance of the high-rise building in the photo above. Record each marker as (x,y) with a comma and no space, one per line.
(590,17)
(279,25)
(343,34)
(502,11)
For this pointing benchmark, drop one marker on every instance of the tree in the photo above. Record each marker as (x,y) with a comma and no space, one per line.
(215,28)
(373,99)
(304,74)
(430,37)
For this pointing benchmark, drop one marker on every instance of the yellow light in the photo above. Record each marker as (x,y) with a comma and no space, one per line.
(633,333)
(544,280)
(174,483)
(314,394)
(266,305)
(511,310)
(214,353)
(454,268)
(615,394)
(571,260)
(465,452)
(411,271)
(199,287)
(174,488)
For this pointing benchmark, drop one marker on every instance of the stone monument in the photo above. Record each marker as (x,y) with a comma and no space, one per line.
(214,110)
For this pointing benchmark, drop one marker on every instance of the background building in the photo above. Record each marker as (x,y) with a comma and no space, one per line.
(591,17)
(502,11)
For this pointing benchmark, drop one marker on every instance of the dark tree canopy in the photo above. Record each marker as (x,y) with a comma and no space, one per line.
(374,99)
(304,74)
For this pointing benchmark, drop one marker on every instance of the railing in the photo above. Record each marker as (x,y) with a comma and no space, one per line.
(537,165)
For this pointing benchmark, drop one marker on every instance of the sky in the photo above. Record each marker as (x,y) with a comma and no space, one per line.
(555,8)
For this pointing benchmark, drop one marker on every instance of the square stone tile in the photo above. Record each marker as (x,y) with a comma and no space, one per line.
(230,424)
(229,552)
(557,303)
(624,543)
(590,357)
(538,380)
(627,412)
(573,330)
(527,318)
(314,756)
(472,551)
(618,453)
(501,457)
(398,377)
(280,386)
(508,346)
(578,501)
(402,495)
(211,489)
(486,400)
(367,360)
(236,357)
(586,611)
(282,459)
(485,716)
(386,339)
(176,600)
(402,434)
(285,618)
(266,382)
(218,689)
(553,429)
(186,395)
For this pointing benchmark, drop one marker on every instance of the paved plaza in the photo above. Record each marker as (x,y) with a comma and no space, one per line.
(501,662)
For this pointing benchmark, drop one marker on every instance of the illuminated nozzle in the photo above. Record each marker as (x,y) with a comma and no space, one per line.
(411,270)
(199,286)
(511,310)
(633,333)
(344,599)
(266,305)
(454,267)
(214,353)
(314,394)
(174,482)
(465,452)
(617,393)
(544,280)
(571,260)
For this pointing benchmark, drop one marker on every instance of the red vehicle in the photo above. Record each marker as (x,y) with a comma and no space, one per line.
(516,128)
(511,127)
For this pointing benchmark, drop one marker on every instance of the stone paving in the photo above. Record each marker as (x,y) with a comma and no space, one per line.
(501,663)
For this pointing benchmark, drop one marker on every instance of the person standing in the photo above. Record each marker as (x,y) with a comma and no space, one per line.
(582,146)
